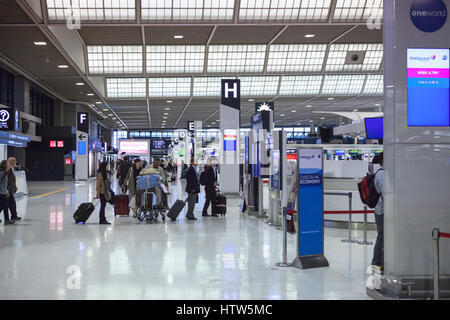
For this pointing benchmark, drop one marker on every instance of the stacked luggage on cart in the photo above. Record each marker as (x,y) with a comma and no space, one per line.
(153,197)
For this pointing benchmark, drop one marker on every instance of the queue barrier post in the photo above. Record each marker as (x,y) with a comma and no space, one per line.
(349,240)
(436,264)
(365,242)
(284,263)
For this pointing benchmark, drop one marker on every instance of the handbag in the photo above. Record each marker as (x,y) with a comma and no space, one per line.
(110,196)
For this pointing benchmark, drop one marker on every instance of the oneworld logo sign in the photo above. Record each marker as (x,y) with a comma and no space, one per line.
(428,15)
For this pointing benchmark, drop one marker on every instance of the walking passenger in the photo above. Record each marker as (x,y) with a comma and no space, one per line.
(131,183)
(4,170)
(102,178)
(192,189)
(12,189)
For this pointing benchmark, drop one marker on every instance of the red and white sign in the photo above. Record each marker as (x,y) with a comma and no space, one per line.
(52,144)
(134,147)
(60,144)
(68,161)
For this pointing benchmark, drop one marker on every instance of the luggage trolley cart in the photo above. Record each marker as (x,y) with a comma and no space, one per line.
(148,211)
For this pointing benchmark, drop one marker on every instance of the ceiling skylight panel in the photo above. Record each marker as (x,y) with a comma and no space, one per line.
(296,57)
(236,58)
(259,86)
(374,85)
(114,59)
(373,57)
(187,10)
(343,84)
(91,10)
(175,59)
(207,87)
(169,87)
(300,85)
(357,10)
(126,87)
(284,10)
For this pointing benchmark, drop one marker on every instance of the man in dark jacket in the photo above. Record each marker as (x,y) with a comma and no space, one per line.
(210,178)
(12,189)
(125,166)
(192,189)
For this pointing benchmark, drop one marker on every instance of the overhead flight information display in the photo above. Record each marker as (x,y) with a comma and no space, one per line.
(428,87)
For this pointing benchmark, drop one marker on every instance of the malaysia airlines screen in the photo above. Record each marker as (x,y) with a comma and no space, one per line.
(428,87)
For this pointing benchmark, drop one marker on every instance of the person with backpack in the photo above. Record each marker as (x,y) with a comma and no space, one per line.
(378,251)
(102,179)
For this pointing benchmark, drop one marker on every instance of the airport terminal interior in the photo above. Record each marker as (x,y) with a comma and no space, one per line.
(224,150)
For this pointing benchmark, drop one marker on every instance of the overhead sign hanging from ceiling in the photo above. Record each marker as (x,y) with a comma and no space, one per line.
(428,15)
(83,121)
(264,106)
(7,119)
(231,93)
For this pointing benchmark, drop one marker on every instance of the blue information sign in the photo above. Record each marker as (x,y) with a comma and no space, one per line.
(310,202)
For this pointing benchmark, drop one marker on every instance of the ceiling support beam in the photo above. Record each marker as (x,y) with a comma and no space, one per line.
(182,112)
(237,6)
(44,29)
(144,63)
(266,58)
(205,63)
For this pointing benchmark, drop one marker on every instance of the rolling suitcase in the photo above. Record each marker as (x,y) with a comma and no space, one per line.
(221,204)
(176,209)
(121,205)
(83,212)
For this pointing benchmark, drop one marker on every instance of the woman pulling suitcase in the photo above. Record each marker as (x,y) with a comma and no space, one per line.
(102,179)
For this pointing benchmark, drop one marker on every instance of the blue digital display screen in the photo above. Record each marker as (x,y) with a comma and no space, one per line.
(374,128)
(339,152)
(82,147)
(229,145)
(428,87)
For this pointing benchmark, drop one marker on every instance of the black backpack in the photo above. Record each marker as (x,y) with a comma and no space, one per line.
(367,191)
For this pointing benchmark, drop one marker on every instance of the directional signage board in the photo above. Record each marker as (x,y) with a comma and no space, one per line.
(231,93)
(83,121)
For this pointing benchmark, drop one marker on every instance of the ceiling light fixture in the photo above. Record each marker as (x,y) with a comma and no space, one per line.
(63,66)
(40,43)
(356,110)
(294,111)
(330,98)
(377,105)
(251,100)
(310,35)
(309,106)
(165,113)
(281,115)
(178,36)
(89,94)
(98,102)
(79,84)
(166,108)
(169,101)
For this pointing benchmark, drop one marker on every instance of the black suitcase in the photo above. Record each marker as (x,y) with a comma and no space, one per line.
(221,204)
(176,209)
(83,212)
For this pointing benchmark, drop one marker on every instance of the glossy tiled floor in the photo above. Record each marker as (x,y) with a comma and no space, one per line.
(231,258)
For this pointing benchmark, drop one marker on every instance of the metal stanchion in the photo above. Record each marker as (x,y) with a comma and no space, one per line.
(284,263)
(436,264)
(364,242)
(349,240)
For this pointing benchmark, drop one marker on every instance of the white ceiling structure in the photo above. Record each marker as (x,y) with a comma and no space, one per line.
(158,63)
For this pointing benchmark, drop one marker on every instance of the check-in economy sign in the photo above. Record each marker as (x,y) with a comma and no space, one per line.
(310,202)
